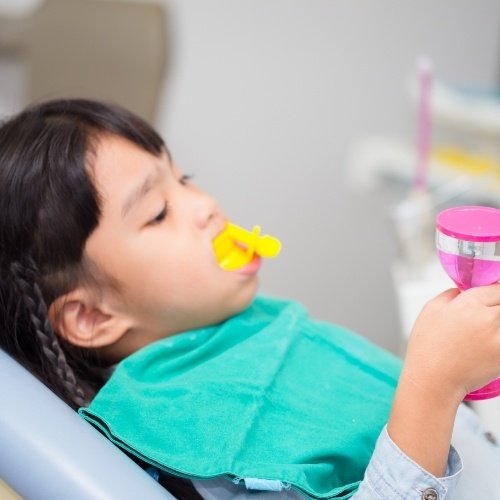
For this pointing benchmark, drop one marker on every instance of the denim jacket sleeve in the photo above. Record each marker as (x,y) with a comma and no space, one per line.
(393,475)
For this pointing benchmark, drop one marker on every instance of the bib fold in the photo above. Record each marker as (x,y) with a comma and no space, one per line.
(267,395)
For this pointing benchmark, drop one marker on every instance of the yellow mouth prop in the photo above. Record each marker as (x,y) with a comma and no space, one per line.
(235,247)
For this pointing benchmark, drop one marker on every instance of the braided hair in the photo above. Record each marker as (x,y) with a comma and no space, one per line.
(48,209)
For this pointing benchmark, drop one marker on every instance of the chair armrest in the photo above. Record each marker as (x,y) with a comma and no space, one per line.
(48,451)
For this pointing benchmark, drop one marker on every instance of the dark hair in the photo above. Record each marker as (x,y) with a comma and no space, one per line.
(48,208)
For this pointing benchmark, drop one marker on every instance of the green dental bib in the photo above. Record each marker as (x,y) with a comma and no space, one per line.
(268,395)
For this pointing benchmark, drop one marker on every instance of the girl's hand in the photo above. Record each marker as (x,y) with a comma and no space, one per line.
(454,347)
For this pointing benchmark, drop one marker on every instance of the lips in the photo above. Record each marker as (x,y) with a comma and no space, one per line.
(251,268)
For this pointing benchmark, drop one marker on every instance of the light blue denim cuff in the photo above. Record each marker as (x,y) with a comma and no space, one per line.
(392,475)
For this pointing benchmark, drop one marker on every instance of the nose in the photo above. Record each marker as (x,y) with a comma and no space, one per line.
(206,209)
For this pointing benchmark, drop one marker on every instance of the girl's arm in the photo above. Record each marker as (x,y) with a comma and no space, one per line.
(421,424)
(454,348)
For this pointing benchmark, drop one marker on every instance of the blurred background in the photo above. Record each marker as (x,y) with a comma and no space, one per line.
(298,115)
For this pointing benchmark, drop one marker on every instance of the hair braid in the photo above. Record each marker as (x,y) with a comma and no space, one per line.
(25,278)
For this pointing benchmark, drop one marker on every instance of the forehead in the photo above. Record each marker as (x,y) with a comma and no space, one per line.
(118,165)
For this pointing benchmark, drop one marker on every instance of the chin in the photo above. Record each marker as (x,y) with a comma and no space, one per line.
(227,306)
(246,297)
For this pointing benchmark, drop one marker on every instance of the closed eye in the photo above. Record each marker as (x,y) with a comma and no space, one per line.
(160,217)
(185,179)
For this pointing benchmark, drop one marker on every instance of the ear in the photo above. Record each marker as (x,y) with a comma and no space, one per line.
(83,318)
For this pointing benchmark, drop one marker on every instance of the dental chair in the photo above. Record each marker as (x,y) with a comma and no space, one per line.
(48,452)
(111,50)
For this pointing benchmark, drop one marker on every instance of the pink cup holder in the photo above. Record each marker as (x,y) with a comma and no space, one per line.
(468,244)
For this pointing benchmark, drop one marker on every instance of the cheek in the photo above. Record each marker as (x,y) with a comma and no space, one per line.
(162,270)
(172,271)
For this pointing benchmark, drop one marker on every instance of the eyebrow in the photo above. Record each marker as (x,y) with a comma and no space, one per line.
(140,191)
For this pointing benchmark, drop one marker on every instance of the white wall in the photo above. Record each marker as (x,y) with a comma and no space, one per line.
(263,100)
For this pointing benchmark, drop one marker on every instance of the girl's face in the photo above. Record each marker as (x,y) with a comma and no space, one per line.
(155,238)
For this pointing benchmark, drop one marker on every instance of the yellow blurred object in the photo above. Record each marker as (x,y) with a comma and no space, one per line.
(469,163)
(235,247)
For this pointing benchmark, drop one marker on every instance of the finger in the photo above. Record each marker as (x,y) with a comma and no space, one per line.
(496,310)
(446,296)
(489,295)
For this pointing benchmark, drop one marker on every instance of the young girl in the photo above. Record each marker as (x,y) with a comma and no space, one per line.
(107,260)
